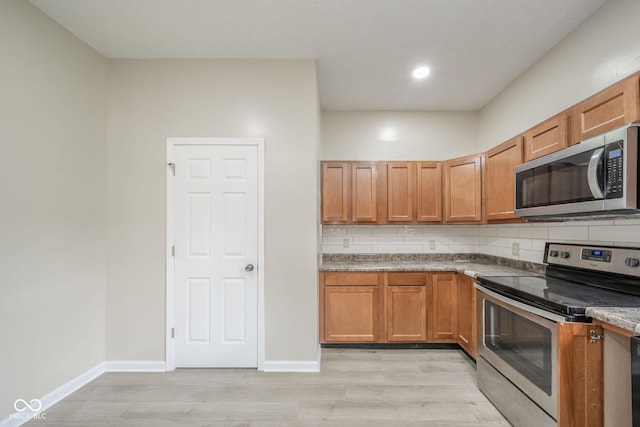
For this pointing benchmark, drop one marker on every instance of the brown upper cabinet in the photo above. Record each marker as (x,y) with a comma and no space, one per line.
(499,179)
(616,105)
(547,137)
(414,192)
(401,183)
(353,192)
(381,192)
(429,192)
(463,189)
(364,191)
(335,192)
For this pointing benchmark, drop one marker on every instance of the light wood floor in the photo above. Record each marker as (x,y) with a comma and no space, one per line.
(355,388)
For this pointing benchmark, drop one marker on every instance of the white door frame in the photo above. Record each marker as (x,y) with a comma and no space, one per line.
(170,298)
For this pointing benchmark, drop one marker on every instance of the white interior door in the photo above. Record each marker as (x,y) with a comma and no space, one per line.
(215,211)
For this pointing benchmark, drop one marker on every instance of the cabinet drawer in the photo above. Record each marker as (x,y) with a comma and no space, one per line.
(351,279)
(407,279)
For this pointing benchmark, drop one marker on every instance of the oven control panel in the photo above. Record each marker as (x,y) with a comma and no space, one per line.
(609,259)
(596,254)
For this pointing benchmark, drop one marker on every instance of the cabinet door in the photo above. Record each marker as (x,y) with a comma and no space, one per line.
(547,137)
(406,307)
(467,315)
(350,305)
(499,175)
(351,314)
(406,313)
(400,190)
(580,376)
(364,189)
(335,192)
(429,192)
(444,307)
(613,107)
(463,189)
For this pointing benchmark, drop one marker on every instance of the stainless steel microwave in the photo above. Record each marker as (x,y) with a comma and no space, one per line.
(597,177)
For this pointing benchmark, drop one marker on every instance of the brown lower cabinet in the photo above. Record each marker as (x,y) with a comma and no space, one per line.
(406,307)
(580,376)
(388,307)
(350,306)
(444,308)
(467,329)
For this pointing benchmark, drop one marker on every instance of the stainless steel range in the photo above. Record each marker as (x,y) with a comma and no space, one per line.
(518,320)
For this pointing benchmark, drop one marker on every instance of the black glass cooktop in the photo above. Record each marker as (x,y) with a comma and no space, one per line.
(558,295)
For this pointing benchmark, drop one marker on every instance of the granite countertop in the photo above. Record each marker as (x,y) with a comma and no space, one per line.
(623,317)
(470,264)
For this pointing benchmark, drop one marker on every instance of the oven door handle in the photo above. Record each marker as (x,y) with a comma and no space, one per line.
(524,307)
(592,174)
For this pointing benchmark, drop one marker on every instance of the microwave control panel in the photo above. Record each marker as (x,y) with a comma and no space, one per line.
(614,167)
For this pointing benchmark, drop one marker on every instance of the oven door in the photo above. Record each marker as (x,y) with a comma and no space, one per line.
(520,342)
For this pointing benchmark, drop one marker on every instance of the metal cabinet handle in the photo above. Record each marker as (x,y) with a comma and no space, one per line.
(249,267)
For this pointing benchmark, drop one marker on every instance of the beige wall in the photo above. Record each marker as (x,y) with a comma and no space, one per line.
(52,213)
(398,135)
(151,100)
(602,50)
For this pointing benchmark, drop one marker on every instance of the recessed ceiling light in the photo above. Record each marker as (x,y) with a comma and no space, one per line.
(421,72)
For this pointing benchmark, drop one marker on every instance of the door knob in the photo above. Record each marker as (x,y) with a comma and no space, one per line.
(249,267)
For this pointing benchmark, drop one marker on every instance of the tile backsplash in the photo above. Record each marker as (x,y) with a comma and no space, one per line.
(516,241)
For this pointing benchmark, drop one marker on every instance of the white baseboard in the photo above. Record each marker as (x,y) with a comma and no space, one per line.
(50,399)
(135,366)
(293,365)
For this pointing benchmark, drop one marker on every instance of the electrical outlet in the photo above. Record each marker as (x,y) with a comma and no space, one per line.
(515,249)
(432,244)
(346,242)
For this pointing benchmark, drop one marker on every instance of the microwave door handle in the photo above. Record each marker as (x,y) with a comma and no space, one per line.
(592,174)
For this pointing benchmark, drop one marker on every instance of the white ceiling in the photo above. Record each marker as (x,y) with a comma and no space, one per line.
(365,49)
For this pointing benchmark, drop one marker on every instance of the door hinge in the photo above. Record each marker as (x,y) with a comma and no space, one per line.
(173,168)
(595,336)
(173,251)
(173,332)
